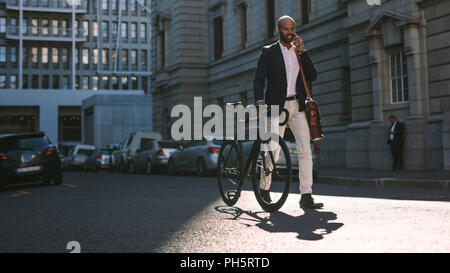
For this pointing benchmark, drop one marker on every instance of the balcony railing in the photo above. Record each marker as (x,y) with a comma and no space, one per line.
(46,34)
(59,6)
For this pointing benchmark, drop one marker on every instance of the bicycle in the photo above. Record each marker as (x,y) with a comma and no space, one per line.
(231,171)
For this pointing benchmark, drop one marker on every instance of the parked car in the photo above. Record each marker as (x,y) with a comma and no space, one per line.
(128,148)
(80,154)
(198,156)
(153,155)
(99,159)
(27,157)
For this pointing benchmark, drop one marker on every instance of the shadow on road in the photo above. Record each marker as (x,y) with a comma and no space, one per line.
(311,226)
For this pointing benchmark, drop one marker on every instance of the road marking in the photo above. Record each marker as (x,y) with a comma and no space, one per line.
(21,193)
(69,185)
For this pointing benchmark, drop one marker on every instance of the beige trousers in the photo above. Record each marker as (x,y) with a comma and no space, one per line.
(299,127)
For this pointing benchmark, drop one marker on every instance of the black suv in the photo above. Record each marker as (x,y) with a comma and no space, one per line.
(27,157)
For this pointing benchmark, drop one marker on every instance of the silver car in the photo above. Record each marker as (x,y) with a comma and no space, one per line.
(199,156)
(100,159)
(153,155)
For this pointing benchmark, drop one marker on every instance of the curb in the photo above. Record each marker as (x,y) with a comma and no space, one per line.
(385,182)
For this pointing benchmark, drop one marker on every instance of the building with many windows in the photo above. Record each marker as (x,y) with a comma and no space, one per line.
(54,55)
(372,60)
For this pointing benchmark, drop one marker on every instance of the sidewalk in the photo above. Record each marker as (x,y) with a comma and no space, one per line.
(385,178)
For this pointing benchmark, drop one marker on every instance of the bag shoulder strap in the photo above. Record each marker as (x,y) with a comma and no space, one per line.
(308,96)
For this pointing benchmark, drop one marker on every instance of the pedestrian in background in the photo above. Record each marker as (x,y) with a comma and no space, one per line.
(395,139)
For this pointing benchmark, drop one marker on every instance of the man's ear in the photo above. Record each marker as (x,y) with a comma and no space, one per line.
(278,30)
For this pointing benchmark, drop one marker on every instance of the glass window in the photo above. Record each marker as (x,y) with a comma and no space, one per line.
(34,26)
(35,81)
(2,54)
(45,55)
(65,56)
(45,27)
(95,29)
(45,82)
(13,25)
(69,124)
(105,53)
(398,77)
(95,56)
(123,7)
(55,83)
(13,54)
(34,55)
(55,26)
(114,29)
(2,24)
(95,82)
(134,58)
(2,81)
(134,83)
(124,58)
(143,59)
(124,31)
(133,30)
(115,82)
(25,26)
(85,28)
(105,82)
(13,81)
(85,83)
(105,30)
(143,31)
(85,56)
(65,82)
(125,82)
(55,56)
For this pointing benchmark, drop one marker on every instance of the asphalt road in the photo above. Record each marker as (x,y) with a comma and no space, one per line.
(106,212)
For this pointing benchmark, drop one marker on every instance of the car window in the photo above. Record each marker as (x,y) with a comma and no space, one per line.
(22,143)
(146,143)
(168,144)
(85,152)
(129,141)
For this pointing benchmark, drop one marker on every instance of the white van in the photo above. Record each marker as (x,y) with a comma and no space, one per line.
(133,144)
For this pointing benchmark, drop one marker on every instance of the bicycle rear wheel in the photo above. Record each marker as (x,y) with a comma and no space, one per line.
(272,172)
(229,172)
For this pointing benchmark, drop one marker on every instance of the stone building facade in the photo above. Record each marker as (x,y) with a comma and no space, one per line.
(372,61)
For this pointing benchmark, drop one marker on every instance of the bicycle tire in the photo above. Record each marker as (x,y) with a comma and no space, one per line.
(287,180)
(230,196)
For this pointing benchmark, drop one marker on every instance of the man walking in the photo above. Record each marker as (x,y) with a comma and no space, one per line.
(278,65)
(395,139)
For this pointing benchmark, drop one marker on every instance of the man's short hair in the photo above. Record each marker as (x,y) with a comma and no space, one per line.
(284,17)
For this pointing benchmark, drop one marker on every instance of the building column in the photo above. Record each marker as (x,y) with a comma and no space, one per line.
(377,136)
(415,123)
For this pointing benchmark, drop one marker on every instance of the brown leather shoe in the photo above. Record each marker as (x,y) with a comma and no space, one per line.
(307,202)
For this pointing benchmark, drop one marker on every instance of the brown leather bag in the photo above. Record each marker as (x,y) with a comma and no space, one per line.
(312,109)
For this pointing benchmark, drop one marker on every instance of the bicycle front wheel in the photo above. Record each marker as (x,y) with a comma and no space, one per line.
(229,175)
(272,174)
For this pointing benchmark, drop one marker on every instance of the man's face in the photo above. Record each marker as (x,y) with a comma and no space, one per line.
(286,30)
(392,120)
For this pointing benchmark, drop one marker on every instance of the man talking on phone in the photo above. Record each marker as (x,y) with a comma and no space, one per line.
(278,65)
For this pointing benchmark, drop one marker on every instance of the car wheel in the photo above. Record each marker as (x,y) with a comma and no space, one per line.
(171,169)
(201,167)
(149,168)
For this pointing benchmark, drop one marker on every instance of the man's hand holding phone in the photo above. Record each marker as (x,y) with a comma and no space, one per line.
(298,42)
